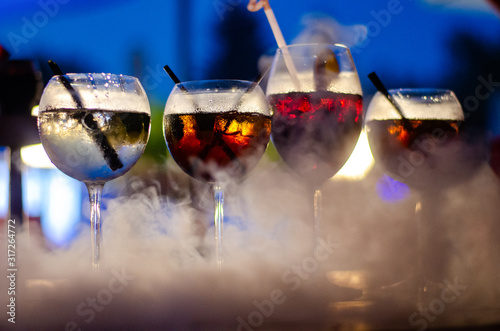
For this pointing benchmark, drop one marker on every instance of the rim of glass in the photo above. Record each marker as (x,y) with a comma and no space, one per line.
(214,80)
(420,91)
(204,84)
(303,45)
(103,74)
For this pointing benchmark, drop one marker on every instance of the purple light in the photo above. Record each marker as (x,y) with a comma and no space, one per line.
(391,190)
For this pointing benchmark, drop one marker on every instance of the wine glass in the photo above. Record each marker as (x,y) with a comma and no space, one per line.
(217,131)
(316,98)
(94,127)
(422,146)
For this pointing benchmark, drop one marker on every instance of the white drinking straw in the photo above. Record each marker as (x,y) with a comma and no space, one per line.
(254,6)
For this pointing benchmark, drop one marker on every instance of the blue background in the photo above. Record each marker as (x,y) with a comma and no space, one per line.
(413,47)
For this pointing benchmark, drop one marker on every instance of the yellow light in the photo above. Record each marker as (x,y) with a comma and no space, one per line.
(35,156)
(34,111)
(357,279)
(360,162)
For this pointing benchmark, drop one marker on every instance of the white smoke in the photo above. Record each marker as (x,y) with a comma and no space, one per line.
(324,29)
(158,270)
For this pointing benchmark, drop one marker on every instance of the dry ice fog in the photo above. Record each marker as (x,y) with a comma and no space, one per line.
(158,269)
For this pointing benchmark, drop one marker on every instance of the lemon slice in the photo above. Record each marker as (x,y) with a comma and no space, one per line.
(326,69)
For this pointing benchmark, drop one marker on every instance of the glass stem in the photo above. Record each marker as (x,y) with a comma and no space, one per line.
(95,193)
(218,222)
(420,265)
(317,213)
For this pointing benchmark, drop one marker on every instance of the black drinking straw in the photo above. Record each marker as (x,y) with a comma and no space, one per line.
(381,88)
(57,71)
(177,81)
(109,153)
(174,78)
